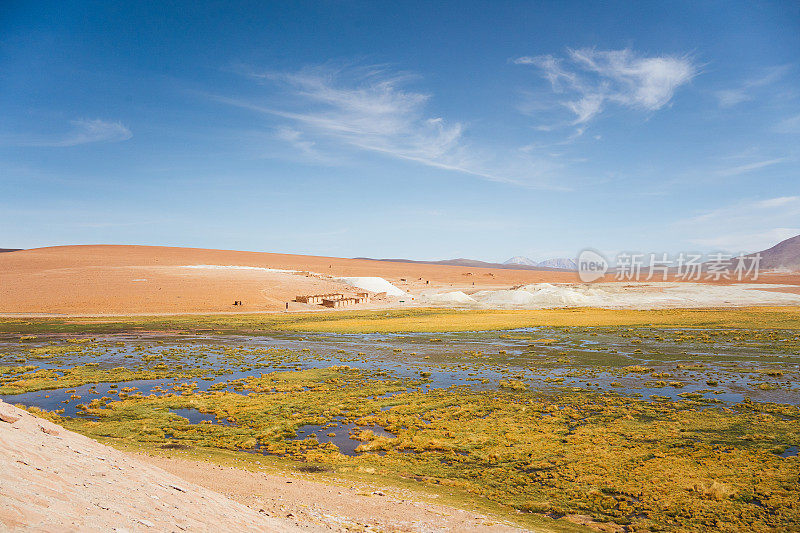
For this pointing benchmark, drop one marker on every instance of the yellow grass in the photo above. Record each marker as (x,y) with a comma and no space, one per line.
(448,320)
(423,320)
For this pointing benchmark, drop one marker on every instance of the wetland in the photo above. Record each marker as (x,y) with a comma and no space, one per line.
(633,427)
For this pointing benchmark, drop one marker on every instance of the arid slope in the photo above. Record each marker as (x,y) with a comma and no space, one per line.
(56,480)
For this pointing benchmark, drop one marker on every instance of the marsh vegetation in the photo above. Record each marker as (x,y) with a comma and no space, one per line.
(633,427)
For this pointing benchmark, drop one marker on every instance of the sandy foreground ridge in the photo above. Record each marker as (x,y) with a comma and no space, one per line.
(124,280)
(56,480)
(52,479)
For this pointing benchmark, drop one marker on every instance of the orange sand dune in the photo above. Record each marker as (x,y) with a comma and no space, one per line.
(113,279)
(100,279)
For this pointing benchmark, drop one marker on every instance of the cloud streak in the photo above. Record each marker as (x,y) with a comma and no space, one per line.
(82,132)
(591,79)
(371,109)
(789,125)
(744,92)
(744,169)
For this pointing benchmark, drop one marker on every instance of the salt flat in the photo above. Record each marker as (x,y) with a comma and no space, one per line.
(656,295)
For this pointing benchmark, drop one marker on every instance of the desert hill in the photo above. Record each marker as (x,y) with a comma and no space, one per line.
(783,256)
(121,279)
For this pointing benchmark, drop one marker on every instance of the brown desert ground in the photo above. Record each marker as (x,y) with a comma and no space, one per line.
(120,280)
(339,505)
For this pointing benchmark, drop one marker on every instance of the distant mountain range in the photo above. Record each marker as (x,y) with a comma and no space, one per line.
(9,250)
(783,256)
(561,263)
(474,263)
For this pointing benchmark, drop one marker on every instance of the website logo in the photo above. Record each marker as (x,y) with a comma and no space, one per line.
(591,265)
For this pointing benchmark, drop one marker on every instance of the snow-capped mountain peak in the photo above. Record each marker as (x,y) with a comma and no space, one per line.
(559,262)
(556,262)
(520,260)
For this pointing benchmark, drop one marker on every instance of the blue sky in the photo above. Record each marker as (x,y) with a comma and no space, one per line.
(425,130)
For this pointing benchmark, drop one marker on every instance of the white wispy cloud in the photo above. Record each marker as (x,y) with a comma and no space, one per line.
(789,125)
(731,97)
(591,79)
(307,148)
(780,201)
(371,109)
(82,132)
(747,226)
(749,167)
(744,91)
